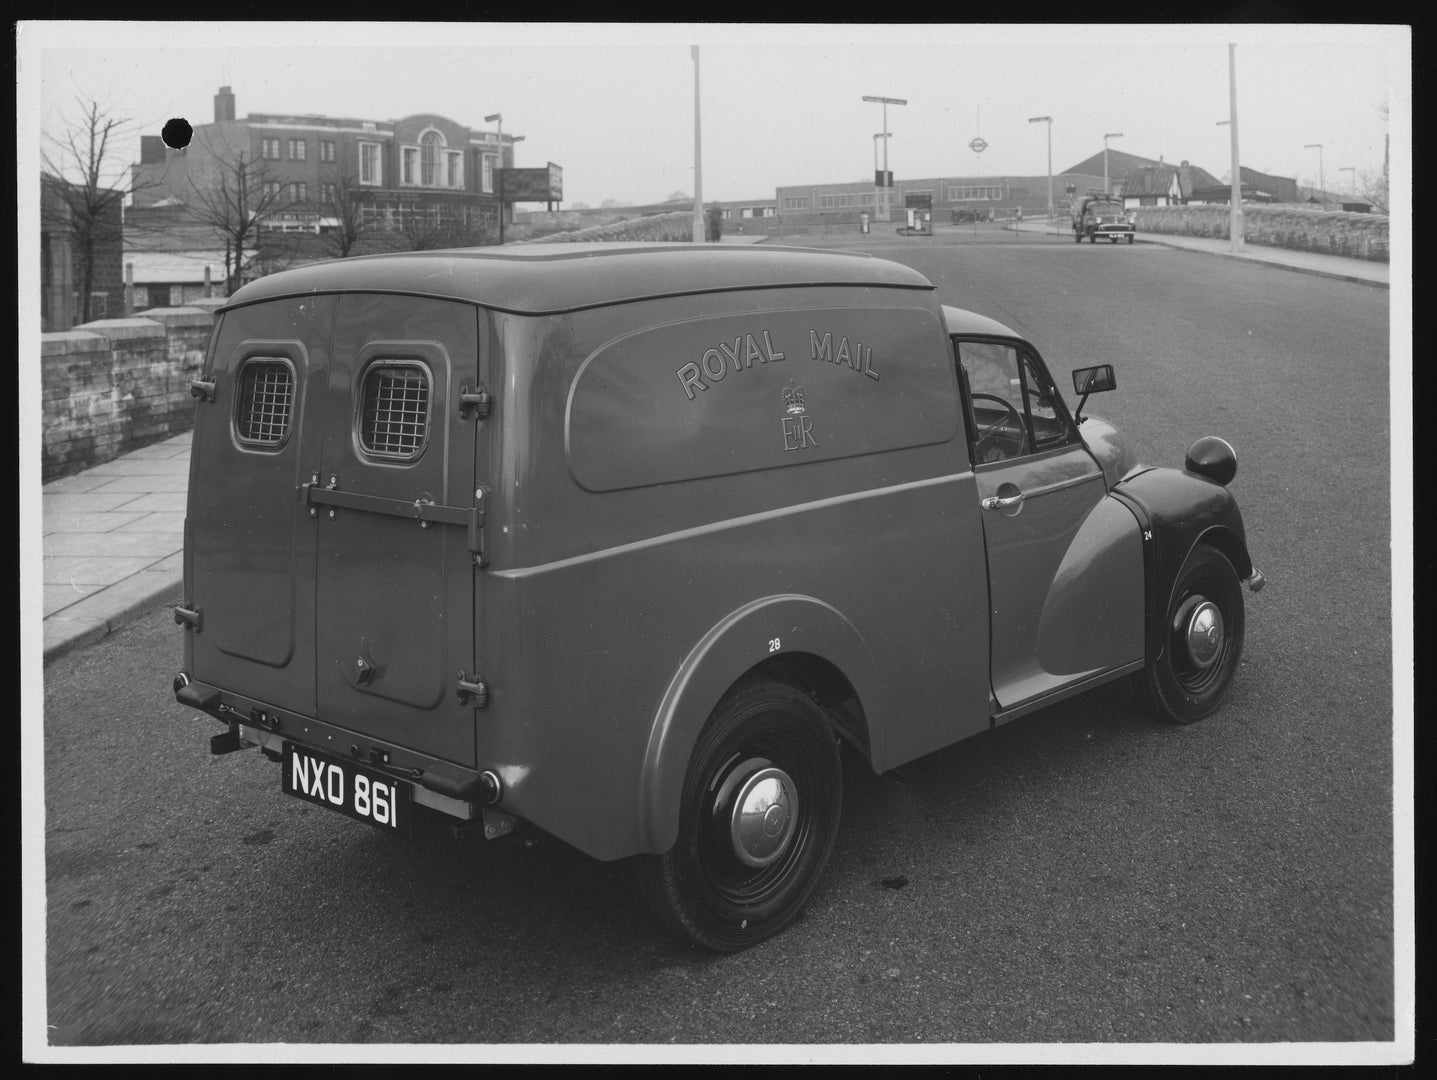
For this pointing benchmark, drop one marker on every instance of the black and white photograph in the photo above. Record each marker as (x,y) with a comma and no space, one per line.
(709,542)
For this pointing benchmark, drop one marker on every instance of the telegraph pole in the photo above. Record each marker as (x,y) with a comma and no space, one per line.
(698,158)
(1235,223)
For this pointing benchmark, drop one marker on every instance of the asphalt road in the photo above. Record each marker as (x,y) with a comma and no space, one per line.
(1085,874)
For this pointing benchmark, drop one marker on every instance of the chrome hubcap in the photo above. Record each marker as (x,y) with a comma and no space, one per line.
(763,815)
(1204,634)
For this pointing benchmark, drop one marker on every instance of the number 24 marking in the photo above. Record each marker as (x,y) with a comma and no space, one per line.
(773,645)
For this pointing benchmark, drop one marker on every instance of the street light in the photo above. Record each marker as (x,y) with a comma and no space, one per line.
(1049,121)
(885,102)
(1321,184)
(498,118)
(1109,135)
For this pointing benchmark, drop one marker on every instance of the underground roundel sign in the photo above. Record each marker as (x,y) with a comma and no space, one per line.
(978,144)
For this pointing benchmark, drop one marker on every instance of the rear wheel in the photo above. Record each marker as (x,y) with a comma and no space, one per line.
(1204,629)
(759,817)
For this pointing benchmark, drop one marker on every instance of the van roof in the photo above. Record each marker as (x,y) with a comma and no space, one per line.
(546,278)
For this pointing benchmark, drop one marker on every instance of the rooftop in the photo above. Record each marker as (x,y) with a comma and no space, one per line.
(542,279)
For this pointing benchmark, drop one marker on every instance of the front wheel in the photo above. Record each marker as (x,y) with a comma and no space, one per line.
(758,819)
(1204,629)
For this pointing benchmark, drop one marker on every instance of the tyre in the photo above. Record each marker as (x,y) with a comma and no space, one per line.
(759,816)
(1204,629)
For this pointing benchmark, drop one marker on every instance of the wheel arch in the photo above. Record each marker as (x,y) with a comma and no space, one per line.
(818,649)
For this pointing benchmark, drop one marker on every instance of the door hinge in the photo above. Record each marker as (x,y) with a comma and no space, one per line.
(191,617)
(477,400)
(204,389)
(475,688)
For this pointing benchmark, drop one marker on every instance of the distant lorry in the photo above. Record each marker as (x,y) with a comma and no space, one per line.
(1102,216)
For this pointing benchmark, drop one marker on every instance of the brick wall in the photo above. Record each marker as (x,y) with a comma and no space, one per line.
(114,385)
(1299,228)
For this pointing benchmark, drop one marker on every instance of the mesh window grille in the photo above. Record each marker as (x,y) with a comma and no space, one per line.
(266,397)
(395,415)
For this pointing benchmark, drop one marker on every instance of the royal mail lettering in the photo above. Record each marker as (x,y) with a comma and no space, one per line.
(859,358)
(716,363)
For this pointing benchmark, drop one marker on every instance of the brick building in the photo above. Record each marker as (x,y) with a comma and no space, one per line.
(67,229)
(310,174)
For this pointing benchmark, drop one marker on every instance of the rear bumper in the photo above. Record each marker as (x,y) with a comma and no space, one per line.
(440,785)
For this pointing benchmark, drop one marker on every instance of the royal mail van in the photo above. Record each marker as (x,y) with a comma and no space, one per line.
(620,542)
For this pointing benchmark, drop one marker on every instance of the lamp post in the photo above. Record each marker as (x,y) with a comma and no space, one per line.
(885,102)
(1351,180)
(498,118)
(1321,184)
(1236,229)
(1109,135)
(1049,121)
(699,234)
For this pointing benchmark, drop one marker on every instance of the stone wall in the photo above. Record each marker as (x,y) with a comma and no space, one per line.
(1297,227)
(114,385)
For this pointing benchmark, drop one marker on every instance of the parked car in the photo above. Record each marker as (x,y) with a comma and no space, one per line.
(619,543)
(1101,217)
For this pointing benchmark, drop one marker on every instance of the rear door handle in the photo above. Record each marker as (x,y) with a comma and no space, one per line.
(994,502)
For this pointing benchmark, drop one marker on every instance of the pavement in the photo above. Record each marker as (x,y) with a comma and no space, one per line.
(114,534)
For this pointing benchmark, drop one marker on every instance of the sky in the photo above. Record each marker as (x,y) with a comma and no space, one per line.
(779,104)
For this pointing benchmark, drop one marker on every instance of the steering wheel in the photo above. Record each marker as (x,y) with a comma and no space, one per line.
(999,431)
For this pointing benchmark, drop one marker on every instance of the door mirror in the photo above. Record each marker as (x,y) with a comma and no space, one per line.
(1094,380)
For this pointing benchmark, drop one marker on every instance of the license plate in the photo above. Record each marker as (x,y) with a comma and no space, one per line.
(342,785)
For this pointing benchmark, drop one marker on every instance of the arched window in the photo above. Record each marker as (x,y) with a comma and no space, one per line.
(429,144)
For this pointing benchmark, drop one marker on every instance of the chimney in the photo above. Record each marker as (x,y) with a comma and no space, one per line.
(224,105)
(152,150)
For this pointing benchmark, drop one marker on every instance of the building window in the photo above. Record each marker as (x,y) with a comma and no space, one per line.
(271,189)
(369,169)
(326,150)
(296,149)
(795,202)
(409,156)
(988,192)
(298,192)
(429,144)
(455,177)
(330,194)
(99,304)
(487,175)
(269,149)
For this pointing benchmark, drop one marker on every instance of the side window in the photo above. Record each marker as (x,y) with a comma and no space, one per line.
(1013,406)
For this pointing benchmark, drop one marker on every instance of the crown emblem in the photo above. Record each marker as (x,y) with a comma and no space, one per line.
(793,398)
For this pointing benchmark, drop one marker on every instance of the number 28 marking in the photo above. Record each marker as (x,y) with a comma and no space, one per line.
(773,645)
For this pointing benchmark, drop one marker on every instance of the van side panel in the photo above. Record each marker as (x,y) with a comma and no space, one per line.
(600,601)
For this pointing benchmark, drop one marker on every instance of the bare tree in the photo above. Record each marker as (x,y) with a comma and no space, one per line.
(231,199)
(84,189)
(432,228)
(343,203)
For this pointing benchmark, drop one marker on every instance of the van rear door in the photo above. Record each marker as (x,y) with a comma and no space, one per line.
(250,545)
(395,574)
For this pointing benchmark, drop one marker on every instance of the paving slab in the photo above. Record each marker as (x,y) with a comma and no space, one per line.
(165,502)
(92,569)
(142,484)
(147,466)
(59,597)
(100,522)
(79,483)
(126,599)
(168,521)
(156,545)
(89,502)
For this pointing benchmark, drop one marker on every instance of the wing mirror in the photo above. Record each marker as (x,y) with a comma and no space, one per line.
(1092,380)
